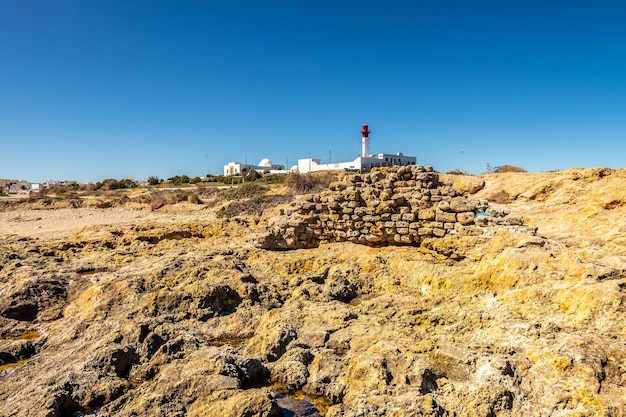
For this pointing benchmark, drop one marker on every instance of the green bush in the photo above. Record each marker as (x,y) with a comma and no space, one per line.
(273,178)
(113,184)
(127,183)
(245,190)
(217,178)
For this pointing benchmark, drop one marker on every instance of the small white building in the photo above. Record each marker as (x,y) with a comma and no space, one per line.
(265,165)
(359,164)
(365,162)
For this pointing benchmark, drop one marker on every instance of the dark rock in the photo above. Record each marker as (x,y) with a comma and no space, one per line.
(34,297)
(294,408)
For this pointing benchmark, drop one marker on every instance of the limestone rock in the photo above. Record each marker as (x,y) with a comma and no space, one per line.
(403,198)
(180,314)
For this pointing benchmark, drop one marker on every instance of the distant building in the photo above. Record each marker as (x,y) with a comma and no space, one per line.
(51,184)
(25,187)
(265,165)
(359,164)
(365,162)
(22,187)
(15,187)
(5,185)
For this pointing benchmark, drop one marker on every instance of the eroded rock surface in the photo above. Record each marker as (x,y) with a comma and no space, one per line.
(191,318)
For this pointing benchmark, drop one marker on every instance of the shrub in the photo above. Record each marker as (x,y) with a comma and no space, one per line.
(245,190)
(217,178)
(273,178)
(179,180)
(306,183)
(509,168)
(109,184)
(251,206)
(193,199)
(113,184)
(223,213)
(325,178)
(457,172)
(154,180)
(127,183)
(252,175)
(57,190)
(158,199)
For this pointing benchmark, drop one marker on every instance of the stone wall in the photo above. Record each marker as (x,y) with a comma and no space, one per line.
(388,206)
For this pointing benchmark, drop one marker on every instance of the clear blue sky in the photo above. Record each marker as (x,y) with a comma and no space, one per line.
(118,88)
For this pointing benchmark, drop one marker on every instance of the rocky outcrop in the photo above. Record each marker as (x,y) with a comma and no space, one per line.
(186,317)
(389,206)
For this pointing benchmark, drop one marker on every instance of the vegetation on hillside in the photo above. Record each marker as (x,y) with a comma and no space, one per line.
(306,183)
(247,194)
(508,168)
(457,172)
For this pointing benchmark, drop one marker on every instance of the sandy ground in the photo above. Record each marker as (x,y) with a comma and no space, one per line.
(61,223)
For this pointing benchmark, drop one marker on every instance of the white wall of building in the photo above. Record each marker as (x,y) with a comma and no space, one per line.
(362,163)
(379,160)
(386,160)
(313,164)
(237,168)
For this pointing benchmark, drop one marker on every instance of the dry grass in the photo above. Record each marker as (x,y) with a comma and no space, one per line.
(245,199)
(307,183)
(150,199)
(158,199)
(245,190)
(500,197)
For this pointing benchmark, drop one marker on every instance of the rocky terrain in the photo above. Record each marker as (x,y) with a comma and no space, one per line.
(130,311)
(397,206)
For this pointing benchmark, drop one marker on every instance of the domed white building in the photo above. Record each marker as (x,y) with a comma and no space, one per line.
(265,165)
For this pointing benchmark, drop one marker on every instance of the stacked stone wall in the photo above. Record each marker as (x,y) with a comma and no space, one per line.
(388,206)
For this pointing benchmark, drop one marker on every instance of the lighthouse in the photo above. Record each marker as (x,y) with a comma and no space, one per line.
(365,141)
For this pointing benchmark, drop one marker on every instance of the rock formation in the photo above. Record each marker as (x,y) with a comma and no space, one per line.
(184,315)
(389,206)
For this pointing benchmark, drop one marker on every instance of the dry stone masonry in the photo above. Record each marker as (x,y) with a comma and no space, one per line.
(389,206)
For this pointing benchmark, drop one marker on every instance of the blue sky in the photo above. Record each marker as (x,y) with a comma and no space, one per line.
(115,89)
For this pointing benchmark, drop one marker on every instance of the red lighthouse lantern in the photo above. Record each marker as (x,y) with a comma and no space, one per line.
(365,132)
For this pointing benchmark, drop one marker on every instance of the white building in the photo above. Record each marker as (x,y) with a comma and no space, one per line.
(265,165)
(359,164)
(364,162)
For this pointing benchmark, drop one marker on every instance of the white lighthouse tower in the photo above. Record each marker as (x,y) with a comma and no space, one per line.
(365,141)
